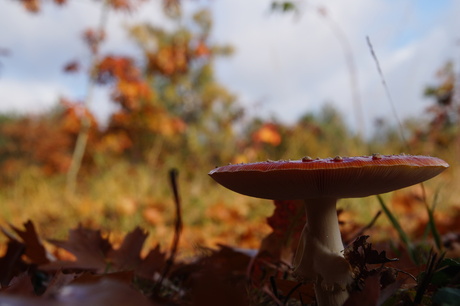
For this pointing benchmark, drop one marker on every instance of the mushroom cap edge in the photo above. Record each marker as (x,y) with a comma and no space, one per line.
(346,177)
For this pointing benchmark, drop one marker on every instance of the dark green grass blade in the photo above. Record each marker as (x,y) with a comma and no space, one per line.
(432,222)
(402,235)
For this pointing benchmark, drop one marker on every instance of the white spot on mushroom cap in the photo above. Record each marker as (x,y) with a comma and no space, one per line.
(306,159)
(338,158)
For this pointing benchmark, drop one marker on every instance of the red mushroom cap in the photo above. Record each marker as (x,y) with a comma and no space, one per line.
(347,177)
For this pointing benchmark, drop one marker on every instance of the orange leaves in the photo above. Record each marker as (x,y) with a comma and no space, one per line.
(130,94)
(146,119)
(112,68)
(221,213)
(124,5)
(130,90)
(72,67)
(44,141)
(174,58)
(93,38)
(139,115)
(268,133)
(202,50)
(36,141)
(153,215)
(71,117)
(116,142)
(33,6)
(288,216)
(169,60)
(287,222)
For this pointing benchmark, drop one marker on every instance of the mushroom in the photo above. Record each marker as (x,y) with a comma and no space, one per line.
(320,183)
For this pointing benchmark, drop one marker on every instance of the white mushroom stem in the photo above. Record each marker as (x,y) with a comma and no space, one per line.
(319,256)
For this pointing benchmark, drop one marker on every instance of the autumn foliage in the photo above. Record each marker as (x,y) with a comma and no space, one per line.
(170,111)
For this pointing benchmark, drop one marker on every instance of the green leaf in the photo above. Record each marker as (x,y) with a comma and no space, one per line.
(447,296)
(283,6)
(288,6)
(432,223)
(445,274)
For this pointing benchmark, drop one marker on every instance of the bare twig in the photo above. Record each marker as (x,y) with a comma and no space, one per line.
(407,273)
(291,292)
(82,138)
(273,284)
(177,226)
(349,59)
(272,295)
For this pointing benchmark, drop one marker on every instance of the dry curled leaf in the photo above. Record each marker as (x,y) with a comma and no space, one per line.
(127,256)
(287,222)
(369,296)
(104,292)
(11,263)
(89,248)
(72,67)
(34,249)
(361,253)
(218,278)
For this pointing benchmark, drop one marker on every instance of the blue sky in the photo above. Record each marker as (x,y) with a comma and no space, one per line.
(283,66)
(417,18)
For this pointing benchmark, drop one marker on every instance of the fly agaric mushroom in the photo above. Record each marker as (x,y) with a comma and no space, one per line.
(320,183)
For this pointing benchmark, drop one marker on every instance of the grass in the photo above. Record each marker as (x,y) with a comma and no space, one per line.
(125,196)
(119,197)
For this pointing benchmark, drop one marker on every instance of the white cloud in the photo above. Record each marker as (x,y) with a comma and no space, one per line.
(296,65)
(283,65)
(28,97)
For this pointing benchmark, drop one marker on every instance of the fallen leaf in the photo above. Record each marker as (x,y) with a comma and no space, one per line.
(154,262)
(34,249)
(127,256)
(105,292)
(218,278)
(369,295)
(87,278)
(287,222)
(20,285)
(59,280)
(11,263)
(89,248)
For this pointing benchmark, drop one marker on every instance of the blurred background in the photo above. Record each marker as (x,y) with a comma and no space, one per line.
(99,99)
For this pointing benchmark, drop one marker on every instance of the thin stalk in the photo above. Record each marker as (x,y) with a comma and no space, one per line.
(431,220)
(387,92)
(351,66)
(177,228)
(83,134)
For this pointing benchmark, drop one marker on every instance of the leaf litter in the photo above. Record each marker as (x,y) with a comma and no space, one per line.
(94,271)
